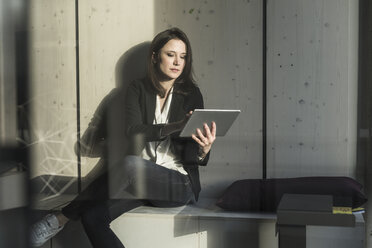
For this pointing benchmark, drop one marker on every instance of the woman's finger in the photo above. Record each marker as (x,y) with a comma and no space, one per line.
(202,137)
(207,131)
(214,129)
(194,137)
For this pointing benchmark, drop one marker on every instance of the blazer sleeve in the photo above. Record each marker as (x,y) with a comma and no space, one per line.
(135,111)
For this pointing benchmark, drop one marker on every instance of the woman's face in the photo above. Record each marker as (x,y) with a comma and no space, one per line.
(172,58)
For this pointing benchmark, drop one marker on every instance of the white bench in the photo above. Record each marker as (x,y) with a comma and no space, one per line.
(200,225)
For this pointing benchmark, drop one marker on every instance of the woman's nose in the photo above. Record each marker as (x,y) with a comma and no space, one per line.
(175,61)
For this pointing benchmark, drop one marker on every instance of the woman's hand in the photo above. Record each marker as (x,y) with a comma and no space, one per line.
(173,127)
(206,139)
(185,120)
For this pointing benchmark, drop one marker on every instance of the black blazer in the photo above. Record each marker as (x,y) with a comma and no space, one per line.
(126,114)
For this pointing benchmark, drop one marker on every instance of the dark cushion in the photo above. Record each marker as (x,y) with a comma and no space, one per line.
(265,194)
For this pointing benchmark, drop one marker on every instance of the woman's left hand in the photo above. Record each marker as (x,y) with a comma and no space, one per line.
(206,139)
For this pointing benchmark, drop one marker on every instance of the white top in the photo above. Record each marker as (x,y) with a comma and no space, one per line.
(162,152)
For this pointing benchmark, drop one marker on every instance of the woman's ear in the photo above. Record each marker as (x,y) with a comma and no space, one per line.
(153,59)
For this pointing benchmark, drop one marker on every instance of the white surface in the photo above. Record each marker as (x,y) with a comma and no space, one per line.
(204,208)
(195,226)
(13,190)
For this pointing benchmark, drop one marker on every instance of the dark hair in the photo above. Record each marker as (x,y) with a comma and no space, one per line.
(185,80)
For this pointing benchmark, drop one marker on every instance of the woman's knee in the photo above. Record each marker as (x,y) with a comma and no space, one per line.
(132,161)
(131,167)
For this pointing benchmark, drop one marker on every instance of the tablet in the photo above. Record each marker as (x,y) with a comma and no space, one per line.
(223,118)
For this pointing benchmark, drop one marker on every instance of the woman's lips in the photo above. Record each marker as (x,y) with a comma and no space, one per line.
(175,70)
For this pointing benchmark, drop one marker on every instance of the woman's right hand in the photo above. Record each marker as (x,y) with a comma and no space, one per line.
(185,120)
(175,126)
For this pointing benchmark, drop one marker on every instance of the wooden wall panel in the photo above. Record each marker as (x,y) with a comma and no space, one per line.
(108,31)
(226,38)
(312,73)
(52,80)
(312,87)
(8,82)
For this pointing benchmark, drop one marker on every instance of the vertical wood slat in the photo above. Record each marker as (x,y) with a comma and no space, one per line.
(53,95)
(8,84)
(78,131)
(264,89)
(312,84)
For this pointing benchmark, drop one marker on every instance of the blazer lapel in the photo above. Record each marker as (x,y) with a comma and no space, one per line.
(150,107)
(176,113)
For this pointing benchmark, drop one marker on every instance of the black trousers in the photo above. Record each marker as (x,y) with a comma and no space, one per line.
(132,183)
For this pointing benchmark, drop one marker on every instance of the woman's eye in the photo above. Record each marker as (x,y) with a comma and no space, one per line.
(183,57)
(169,54)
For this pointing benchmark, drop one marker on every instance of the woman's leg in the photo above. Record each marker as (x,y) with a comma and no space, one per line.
(97,219)
(135,178)
(146,180)
(96,191)
(143,180)
(52,223)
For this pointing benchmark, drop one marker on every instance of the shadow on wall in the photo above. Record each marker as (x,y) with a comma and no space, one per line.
(132,64)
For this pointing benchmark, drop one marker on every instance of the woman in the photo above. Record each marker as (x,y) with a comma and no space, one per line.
(162,169)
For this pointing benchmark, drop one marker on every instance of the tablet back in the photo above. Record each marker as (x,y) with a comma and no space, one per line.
(222,117)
